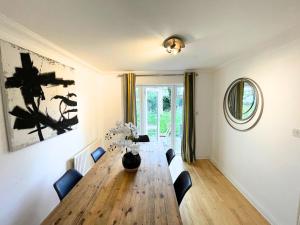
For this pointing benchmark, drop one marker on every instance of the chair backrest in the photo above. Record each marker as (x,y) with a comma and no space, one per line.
(170,154)
(97,154)
(182,184)
(65,184)
(143,138)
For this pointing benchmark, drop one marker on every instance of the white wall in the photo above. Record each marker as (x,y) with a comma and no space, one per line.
(264,163)
(159,80)
(203,104)
(26,191)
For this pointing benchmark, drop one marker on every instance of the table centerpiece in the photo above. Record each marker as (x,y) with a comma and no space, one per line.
(122,137)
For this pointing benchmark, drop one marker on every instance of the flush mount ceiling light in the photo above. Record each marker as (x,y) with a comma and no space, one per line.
(173,44)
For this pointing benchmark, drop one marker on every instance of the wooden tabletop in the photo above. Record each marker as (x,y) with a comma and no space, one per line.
(108,195)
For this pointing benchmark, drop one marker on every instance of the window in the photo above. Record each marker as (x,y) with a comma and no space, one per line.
(159,114)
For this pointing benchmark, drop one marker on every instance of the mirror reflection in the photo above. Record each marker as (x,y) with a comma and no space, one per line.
(242,100)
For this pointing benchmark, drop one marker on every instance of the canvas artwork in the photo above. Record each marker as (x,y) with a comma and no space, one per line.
(38,94)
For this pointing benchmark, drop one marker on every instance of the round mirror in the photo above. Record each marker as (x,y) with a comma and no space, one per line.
(242,100)
(243,104)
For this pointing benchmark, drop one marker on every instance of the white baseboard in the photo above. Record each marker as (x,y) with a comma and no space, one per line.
(255,203)
(202,157)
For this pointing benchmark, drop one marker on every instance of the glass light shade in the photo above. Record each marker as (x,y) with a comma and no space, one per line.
(169,49)
(175,51)
(173,45)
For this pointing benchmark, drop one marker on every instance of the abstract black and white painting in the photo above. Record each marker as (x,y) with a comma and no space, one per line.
(39,96)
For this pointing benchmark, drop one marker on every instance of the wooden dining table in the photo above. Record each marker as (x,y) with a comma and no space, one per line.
(109,195)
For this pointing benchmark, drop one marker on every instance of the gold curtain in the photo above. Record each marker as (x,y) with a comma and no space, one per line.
(240,96)
(188,137)
(235,100)
(129,98)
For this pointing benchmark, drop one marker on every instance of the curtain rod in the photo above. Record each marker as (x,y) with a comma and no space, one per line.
(157,75)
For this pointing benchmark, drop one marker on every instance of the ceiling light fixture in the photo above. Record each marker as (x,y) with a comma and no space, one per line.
(173,44)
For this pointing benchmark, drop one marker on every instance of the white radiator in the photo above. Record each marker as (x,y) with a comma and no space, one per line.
(83,160)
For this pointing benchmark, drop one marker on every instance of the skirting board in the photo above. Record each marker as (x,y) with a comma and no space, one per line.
(202,157)
(255,203)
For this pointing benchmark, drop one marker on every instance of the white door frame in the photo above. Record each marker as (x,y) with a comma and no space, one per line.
(143,109)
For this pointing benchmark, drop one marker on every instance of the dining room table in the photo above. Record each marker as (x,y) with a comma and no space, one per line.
(110,195)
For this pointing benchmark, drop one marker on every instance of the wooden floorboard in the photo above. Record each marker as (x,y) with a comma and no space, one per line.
(213,200)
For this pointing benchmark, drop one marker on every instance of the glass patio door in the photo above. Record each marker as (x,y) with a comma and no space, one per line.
(159,114)
(178,118)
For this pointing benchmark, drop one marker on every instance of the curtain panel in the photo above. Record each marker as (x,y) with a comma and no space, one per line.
(188,137)
(235,100)
(129,98)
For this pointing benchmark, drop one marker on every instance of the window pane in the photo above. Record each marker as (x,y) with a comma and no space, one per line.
(158,116)
(164,109)
(138,108)
(179,117)
(152,119)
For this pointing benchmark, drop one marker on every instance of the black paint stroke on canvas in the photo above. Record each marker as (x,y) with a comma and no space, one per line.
(30,81)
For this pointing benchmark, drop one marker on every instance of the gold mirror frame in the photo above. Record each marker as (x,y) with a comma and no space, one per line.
(251,121)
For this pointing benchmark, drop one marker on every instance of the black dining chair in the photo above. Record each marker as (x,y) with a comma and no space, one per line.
(65,184)
(143,138)
(170,154)
(97,154)
(182,184)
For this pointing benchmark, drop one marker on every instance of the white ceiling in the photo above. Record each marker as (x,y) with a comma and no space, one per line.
(128,34)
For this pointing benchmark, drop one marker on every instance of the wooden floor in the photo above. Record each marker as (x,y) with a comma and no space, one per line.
(213,200)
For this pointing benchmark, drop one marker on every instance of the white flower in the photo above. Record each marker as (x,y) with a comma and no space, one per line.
(135,148)
(121,137)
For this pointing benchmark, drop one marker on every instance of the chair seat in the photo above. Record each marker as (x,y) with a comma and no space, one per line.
(143,138)
(182,184)
(97,154)
(65,184)
(170,154)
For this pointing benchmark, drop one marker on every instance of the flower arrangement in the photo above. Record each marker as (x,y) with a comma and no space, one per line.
(122,137)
